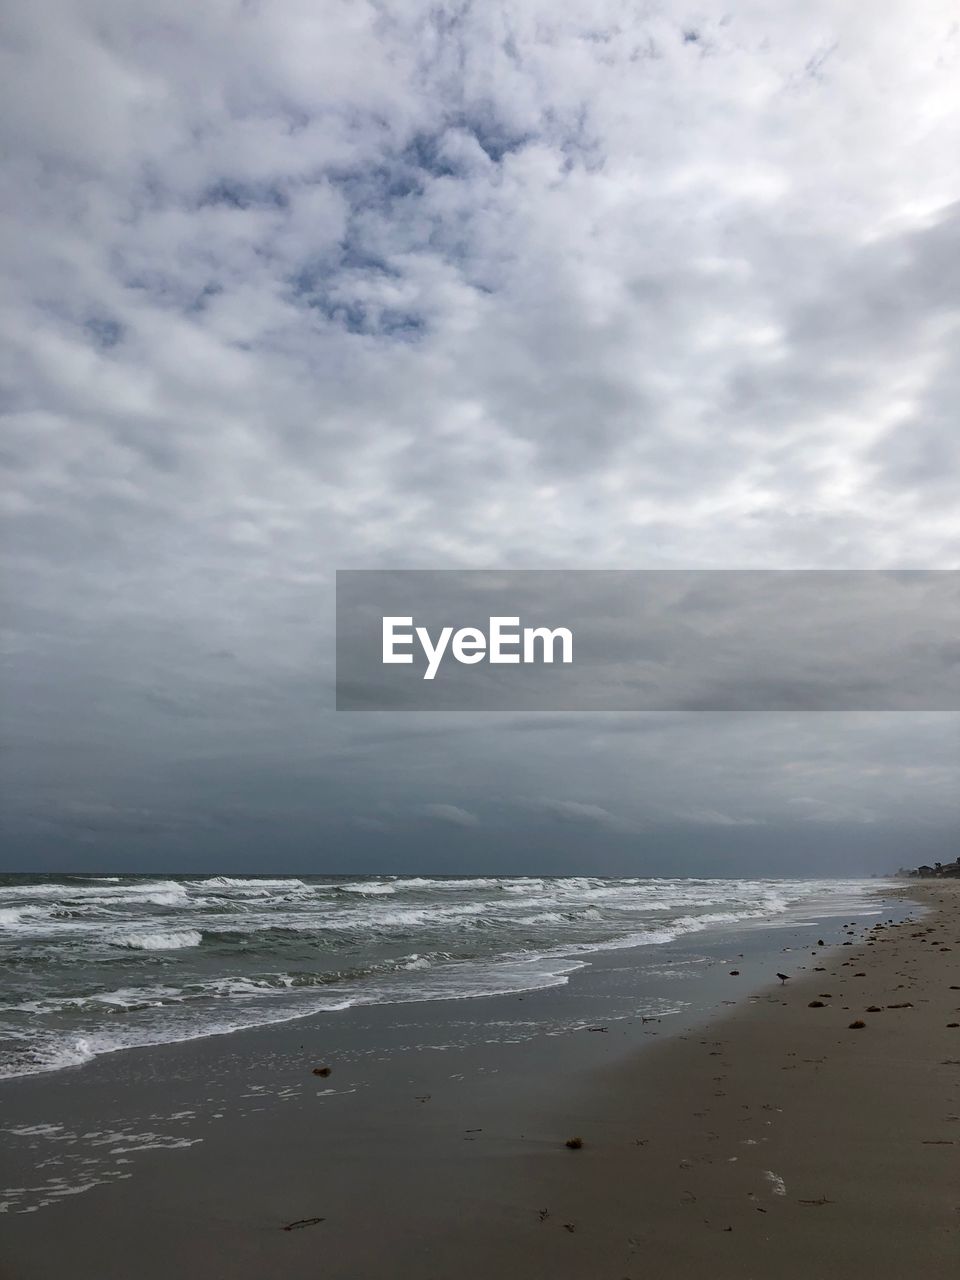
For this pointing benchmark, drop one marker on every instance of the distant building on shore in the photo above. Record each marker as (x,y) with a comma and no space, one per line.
(937,870)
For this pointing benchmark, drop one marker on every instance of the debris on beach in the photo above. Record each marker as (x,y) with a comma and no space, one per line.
(574,1144)
(857,1025)
(322,1071)
(301,1223)
(816,1004)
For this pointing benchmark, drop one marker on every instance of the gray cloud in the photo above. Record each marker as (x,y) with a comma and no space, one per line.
(291,288)
(451,813)
(588,814)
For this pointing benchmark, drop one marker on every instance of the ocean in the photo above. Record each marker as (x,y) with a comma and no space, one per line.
(94,964)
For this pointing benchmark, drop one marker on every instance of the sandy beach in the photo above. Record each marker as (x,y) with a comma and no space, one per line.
(814,1133)
(763,1136)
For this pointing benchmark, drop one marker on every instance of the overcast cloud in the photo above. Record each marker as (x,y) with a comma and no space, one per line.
(298,286)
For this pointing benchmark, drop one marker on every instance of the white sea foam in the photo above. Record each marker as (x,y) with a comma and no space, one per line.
(162,940)
(46,1052)
(108,891)
(451,884)
(369,888)
(256,886)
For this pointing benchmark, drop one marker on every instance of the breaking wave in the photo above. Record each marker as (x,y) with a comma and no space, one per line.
(99,963)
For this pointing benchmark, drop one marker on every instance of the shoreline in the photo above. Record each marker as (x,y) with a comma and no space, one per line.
(188,964)
(785,1140)
(442,1134)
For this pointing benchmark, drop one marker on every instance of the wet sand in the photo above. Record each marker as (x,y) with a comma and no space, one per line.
(782,1142)
(774,1141)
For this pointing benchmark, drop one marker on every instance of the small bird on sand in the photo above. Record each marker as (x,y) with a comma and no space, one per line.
(783,976)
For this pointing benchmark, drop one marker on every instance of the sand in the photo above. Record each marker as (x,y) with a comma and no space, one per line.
(773,1142)
(782,1142)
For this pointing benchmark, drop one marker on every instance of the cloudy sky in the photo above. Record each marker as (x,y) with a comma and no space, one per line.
(298,285)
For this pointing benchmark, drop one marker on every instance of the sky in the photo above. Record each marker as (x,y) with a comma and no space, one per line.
(292,287)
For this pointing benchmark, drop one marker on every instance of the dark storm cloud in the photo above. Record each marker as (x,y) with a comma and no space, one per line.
(296,287)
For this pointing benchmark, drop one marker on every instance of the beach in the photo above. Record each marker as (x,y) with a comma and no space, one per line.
(750,1132)
(787,1140)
